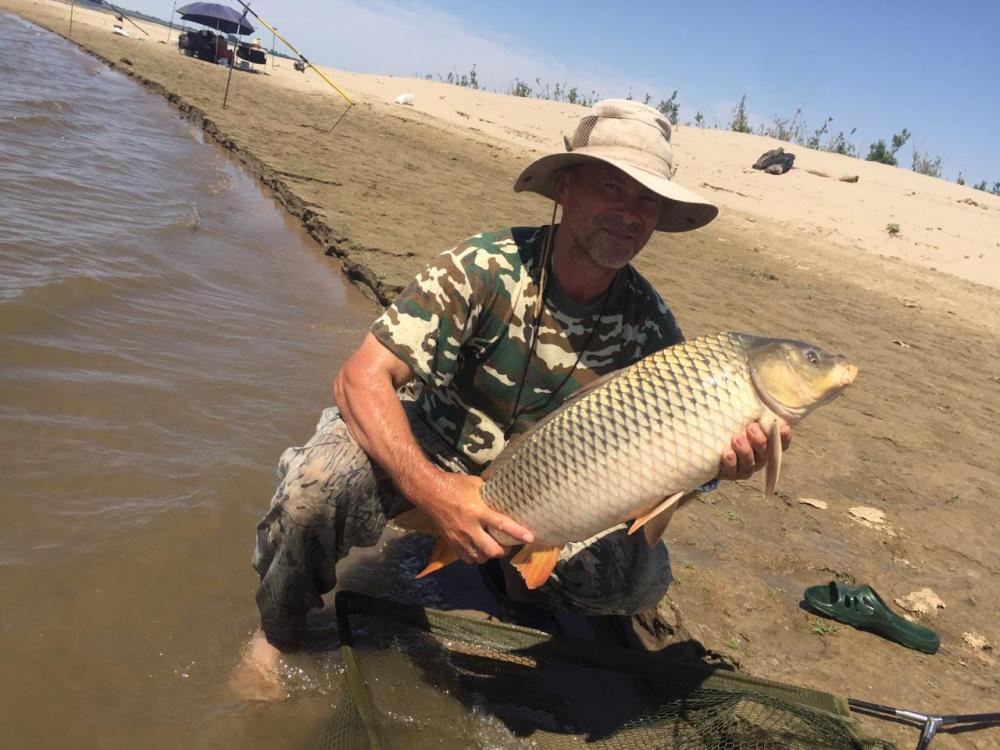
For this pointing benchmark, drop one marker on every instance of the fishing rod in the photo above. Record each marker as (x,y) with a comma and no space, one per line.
(122,14)
(232,62)
(274,31)
(170,29)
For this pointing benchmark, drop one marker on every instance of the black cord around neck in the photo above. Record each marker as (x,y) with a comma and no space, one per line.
(543,402)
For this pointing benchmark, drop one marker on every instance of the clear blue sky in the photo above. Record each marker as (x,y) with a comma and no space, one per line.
(931,67)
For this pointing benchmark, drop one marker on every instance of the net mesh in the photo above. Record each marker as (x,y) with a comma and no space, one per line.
(418,678)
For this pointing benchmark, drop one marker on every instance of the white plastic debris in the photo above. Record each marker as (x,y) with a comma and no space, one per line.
(404,99)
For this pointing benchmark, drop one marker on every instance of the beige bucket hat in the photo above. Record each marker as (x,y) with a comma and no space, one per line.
(635,138)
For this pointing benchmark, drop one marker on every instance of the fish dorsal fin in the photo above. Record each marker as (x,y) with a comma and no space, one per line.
(512,445)
(773,458)
(662,513)
(535,563)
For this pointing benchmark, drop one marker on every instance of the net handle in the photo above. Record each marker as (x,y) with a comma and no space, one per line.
(931,723)
(352,671)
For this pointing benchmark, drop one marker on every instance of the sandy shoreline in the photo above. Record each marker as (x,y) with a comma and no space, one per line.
(943,227)
(800,255)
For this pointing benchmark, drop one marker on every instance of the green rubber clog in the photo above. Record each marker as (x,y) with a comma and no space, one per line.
(862,608)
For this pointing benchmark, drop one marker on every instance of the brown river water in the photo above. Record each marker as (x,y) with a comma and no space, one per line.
(165,332)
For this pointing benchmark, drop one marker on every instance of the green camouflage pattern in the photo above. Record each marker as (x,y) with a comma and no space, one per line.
(464,326)
(331,498)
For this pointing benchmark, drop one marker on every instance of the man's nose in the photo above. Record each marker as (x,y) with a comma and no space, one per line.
(631,209)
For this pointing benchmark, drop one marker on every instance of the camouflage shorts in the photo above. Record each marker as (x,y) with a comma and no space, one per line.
(330,498)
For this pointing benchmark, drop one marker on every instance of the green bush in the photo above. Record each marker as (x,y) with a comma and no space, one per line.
(740,121)
(467,80)
(887,155)
(790,129)
(521,88)
(840,145)
(924,164)
(817,137)
(671,109)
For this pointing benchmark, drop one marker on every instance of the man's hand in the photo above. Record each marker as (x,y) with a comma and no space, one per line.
(365,391)
(749,452)
(465,521)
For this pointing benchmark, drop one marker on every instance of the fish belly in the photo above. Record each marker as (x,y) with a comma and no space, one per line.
(658,428)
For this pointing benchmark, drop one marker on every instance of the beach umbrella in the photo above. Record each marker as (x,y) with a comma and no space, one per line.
(216,16)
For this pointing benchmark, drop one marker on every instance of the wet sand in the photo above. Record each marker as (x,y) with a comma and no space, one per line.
(390,186)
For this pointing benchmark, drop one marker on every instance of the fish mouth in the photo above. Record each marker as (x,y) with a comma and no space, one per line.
(850,373)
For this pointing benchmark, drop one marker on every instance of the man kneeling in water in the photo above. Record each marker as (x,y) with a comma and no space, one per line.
(488,366)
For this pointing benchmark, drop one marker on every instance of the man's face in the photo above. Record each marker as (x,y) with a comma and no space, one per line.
(609,215)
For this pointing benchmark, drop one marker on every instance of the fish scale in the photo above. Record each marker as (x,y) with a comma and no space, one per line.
(654,429)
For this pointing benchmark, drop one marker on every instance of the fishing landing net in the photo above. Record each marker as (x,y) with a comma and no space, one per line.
(417,678)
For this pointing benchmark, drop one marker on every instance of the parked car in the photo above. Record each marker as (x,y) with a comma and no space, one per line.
(205,44)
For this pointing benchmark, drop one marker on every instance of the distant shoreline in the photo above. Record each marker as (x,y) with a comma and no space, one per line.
(942,227)
(358,273)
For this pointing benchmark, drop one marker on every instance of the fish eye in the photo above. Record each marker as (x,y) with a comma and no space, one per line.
(812,356)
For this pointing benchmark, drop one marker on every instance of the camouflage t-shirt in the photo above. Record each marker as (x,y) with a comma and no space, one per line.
(465,325)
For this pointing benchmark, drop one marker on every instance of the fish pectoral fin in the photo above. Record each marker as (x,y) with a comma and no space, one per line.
(443,554)
(773,458)
(535,563)
(655,528)
(415,520)
(665,508)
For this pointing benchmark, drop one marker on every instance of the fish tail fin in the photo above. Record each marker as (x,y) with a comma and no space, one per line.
(773,458)
(442,555)
(535,563)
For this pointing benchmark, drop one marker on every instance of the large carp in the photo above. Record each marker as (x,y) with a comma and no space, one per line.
(635,442)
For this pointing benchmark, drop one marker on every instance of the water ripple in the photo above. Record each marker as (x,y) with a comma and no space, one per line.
(153,312)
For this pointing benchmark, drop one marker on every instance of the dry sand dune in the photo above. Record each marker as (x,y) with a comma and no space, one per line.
(800,254)
(948,227)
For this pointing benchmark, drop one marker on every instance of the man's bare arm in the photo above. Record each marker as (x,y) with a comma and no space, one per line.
(365,392)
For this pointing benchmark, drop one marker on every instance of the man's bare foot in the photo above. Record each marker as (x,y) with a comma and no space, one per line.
(257,677)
